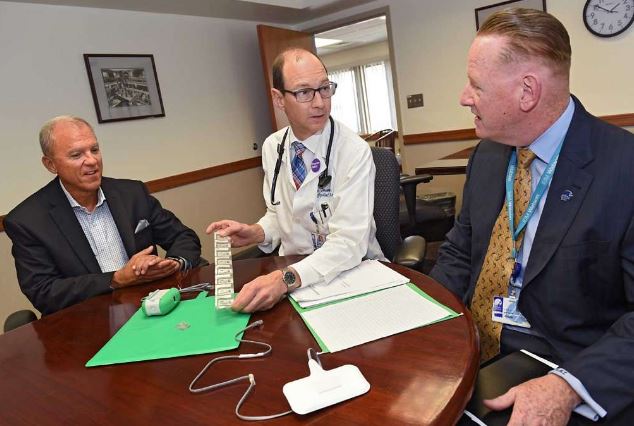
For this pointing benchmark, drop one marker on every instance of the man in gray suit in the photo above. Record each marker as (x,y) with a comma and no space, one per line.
(566,265)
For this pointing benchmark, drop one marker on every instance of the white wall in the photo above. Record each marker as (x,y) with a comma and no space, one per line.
(210,77)
(208,71)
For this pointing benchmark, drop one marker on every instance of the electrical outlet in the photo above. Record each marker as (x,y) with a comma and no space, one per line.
(415,101)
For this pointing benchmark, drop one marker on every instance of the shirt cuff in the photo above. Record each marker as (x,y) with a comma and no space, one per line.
(110,278)
(307,273)
(589,408)
(267,246)
(186,265)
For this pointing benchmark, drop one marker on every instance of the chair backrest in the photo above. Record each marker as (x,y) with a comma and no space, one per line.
(386,201)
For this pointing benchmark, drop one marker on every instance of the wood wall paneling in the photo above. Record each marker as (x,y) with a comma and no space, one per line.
(175,181)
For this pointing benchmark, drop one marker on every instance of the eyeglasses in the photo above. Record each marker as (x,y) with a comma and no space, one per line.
(307,94)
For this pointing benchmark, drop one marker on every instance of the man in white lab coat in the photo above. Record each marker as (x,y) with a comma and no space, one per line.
(321,200)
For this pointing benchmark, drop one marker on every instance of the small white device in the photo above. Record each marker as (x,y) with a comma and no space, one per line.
(319,390)
(324,388)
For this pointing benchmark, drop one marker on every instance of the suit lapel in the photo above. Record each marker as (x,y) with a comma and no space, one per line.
(120,215)
(559,212)
(491,174)
(62,214)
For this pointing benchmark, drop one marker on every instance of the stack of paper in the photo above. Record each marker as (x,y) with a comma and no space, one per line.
(352,322)
(369,276)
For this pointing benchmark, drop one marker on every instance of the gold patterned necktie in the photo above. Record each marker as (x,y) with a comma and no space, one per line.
(498,261)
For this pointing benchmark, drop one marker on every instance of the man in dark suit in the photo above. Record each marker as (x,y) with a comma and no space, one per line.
(83,235)
(566,269)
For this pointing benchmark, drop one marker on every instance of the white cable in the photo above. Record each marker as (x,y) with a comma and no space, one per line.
(196,287)
(192,389)
(250,377)
(255,418)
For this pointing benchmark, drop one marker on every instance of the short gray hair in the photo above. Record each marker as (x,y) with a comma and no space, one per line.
(46,132)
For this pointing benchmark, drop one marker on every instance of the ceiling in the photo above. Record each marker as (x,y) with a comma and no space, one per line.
(354,35)
(288,12)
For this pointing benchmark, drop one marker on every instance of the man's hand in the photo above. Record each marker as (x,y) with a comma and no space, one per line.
(143,267)
(547,400)
(156,268)
(260,294)
(153,267)
(240,234)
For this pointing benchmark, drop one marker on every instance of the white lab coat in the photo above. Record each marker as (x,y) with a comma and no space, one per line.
(346,223)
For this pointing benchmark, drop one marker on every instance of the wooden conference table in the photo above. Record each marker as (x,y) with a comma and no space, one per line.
(424,376)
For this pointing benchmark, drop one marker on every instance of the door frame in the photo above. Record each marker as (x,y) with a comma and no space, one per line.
(364,16)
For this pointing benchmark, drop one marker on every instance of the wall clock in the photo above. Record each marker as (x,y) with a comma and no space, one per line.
(607,18)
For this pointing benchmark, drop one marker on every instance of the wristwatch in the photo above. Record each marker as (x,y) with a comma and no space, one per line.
(290,279)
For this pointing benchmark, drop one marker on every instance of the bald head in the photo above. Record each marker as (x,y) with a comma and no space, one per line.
(47,130)
(295,55)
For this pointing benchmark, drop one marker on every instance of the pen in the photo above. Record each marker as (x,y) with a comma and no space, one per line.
(324,207)
(314,219)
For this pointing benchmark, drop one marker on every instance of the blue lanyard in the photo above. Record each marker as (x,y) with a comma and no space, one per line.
(542,186)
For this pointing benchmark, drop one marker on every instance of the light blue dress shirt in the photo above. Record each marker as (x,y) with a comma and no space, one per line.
(544,148)
(101,232)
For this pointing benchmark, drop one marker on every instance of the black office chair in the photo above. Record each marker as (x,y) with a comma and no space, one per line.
(426,218)
(18,319)
(410,251)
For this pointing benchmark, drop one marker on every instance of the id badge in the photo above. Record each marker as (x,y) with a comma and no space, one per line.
(318,240)
(505,311)
(325,192)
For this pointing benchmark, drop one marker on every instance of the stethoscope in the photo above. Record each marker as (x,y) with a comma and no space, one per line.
(324,177)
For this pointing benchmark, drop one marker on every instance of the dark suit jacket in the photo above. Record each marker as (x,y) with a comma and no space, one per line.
(55,264)
(579,280)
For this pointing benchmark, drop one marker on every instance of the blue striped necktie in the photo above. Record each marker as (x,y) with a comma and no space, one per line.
(297,166)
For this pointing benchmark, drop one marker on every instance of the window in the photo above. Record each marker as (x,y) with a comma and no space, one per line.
(363,100)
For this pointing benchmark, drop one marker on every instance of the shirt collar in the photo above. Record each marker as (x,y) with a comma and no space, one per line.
(546,144)
(316,143)
(74,204)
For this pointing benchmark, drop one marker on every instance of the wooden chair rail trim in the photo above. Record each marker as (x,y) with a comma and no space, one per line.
(621,120)
(442,136)
(157,185)
(175,181)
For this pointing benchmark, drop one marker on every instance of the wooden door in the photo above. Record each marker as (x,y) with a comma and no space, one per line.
(273,41)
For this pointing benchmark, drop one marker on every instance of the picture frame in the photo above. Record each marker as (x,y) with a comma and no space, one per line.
(124,87)
(482,13)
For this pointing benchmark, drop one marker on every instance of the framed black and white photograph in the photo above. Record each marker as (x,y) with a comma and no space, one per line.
(124,87)
(482,13)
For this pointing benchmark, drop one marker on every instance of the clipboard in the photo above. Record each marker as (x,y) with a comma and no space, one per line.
(193,327)
(497,378)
